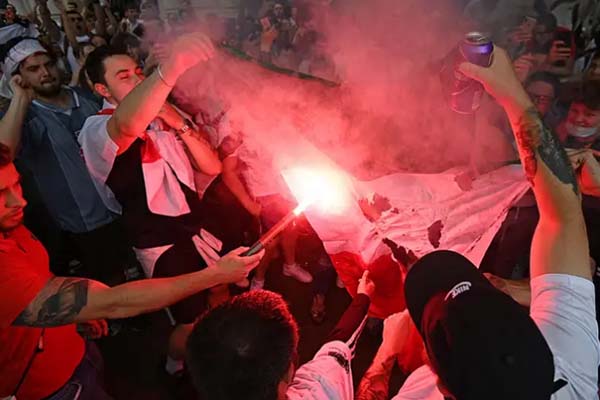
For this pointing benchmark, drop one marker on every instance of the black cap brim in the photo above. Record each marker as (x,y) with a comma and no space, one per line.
(438,272)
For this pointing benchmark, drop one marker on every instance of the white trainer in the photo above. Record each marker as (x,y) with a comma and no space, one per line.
(297,272)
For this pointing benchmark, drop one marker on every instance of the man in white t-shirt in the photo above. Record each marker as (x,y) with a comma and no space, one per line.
(480,343)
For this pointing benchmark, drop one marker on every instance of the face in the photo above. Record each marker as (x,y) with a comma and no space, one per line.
(542,95)
(78,24)
(122,75)
(583,117)
(90,21)
(132,14)
(10,14)
(40,73)
(278,10)
(149,11)
(593,72)
(12,202)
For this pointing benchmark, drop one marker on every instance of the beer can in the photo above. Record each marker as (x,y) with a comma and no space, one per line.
(462,93)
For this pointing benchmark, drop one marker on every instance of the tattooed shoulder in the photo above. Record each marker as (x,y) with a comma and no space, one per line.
(58,303)
(534,138)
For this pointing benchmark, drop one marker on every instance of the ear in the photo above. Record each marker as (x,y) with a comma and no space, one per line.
(101,89)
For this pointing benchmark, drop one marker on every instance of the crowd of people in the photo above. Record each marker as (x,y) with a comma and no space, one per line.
(115,201)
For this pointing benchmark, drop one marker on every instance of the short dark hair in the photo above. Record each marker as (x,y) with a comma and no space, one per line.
(544,77)
(5,155)
(589,95)
(94,68)
(123,40)
(243,348)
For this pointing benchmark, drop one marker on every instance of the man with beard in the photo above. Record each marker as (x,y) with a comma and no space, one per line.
(40,128)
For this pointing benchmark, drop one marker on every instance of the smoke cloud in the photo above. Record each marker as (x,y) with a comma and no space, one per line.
(386,115)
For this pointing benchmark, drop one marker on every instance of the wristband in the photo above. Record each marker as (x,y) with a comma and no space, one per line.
(162,78)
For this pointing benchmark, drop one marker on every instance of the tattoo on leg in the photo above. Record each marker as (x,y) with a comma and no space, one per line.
(534,138)
(59,302)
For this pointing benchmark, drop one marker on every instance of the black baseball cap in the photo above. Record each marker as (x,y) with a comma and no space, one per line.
(480,342)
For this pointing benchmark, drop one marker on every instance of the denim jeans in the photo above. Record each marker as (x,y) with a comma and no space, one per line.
(86,382)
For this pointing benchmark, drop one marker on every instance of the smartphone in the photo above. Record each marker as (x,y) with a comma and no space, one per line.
(566,37)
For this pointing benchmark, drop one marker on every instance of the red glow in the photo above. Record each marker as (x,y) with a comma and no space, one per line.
(325,188)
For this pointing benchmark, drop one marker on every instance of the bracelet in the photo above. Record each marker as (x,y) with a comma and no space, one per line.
(186,129)
(162,78)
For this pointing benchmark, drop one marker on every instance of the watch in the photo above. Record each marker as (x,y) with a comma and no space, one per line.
(186,129)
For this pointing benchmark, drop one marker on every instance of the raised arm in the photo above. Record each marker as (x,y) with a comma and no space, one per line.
(560,242)
(72,300)
(202,155)
(11,124)
(48,24)
(375,382)
(143,104)
(66,24)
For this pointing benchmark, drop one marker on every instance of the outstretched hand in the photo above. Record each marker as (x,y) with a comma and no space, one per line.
(233,267)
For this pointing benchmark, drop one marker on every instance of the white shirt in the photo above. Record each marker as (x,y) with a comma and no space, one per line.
(563,307)
(327,376)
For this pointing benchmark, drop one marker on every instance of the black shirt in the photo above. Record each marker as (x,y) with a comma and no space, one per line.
(144,228)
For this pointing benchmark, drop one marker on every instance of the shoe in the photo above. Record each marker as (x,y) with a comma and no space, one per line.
(257,284)
(339,283)
(297,272)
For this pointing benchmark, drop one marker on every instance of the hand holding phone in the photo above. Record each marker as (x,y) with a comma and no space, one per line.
(560,53)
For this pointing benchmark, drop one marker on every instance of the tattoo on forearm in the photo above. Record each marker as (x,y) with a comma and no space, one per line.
(58,303)
(375,383)
(534,138)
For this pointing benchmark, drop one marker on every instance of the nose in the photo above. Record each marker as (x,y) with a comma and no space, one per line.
(15,198)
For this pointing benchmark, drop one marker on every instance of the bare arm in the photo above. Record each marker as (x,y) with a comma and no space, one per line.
(560,242)
(203,157)
(66,24)
(375,383)
(100,19)
(113,24)
(231,178)
(72,300)
(143,104)
(47,23)
(11,124)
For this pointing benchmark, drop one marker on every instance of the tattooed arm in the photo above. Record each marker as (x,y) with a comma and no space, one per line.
(72,300)
(560,242)
(375,383)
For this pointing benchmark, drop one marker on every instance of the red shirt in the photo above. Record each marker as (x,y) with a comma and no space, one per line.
(24,271)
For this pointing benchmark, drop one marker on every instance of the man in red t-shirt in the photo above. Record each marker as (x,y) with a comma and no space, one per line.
(40,352)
